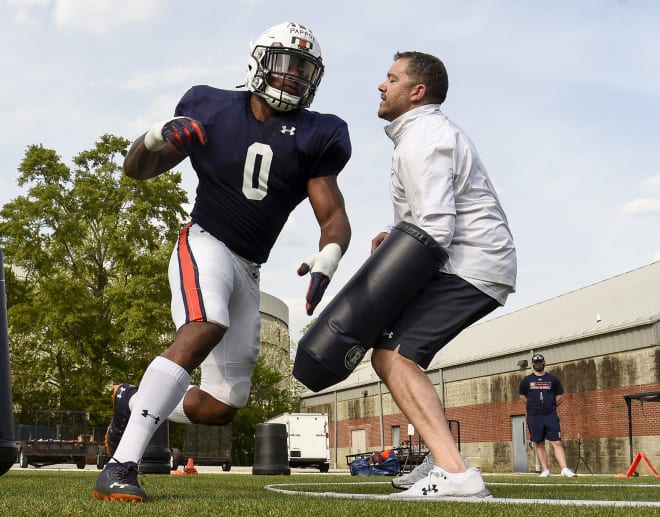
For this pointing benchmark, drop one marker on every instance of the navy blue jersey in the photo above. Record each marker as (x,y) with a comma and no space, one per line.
(252,174)
(541,392)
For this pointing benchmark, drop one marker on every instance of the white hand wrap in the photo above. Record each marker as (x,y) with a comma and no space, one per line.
(326,260)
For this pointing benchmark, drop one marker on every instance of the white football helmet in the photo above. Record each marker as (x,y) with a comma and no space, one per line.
(285,66)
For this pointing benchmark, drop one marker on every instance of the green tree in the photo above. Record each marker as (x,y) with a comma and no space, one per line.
(86,253)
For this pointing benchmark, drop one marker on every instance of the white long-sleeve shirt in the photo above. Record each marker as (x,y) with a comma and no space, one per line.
(439,183)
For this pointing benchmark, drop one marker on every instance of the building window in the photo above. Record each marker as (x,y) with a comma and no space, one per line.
(396,436)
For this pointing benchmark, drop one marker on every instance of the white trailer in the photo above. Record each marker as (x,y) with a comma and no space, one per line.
(307,439)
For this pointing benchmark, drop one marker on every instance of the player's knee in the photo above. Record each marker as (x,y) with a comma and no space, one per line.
(202,407)
(212,414)
(234,394)
(240,393)
(226,416)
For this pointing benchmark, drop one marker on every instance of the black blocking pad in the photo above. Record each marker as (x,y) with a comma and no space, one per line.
(362,310)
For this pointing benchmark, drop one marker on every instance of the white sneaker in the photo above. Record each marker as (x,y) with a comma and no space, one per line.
(438,484)
(545,474)
(568,473)
(419,472)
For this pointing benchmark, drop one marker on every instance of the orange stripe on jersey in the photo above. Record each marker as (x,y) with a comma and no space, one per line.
(189,276)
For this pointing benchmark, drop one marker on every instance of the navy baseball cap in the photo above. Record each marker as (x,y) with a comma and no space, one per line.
(538,358)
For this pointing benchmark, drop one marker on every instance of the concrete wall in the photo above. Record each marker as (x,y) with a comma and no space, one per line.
(274,336)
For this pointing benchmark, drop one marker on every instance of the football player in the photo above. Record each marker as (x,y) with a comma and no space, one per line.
(257,154)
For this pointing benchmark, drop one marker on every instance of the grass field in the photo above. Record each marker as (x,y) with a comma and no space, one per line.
(33,492)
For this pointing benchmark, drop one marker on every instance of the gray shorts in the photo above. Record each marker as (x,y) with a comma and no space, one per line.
(446,306)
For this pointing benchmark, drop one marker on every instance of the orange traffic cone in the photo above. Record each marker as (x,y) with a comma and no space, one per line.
(633,466)
(190,467)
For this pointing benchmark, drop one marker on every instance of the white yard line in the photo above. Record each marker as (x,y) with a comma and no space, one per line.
(279,487)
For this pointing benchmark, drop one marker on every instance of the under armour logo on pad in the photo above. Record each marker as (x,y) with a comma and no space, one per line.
(290,130)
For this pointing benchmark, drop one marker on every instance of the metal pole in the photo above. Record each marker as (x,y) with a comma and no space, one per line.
(7,441)
(382,423)
(336,429)
(630,426)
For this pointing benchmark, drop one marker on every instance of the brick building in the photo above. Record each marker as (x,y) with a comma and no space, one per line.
(602,341)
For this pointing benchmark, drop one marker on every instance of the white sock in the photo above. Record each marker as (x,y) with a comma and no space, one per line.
(162,387)
(179,415)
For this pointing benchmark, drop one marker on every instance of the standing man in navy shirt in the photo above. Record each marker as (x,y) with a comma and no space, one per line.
(257,154)
(542,393)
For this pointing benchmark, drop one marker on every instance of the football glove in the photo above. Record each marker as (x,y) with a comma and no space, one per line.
(321,266)
(182,132)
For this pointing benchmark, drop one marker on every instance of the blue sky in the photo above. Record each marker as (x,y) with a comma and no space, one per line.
(561,98)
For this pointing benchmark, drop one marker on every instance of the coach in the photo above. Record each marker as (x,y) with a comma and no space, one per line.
(542,393)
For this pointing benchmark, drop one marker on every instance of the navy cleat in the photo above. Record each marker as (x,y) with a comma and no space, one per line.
(121,394)
(118,482)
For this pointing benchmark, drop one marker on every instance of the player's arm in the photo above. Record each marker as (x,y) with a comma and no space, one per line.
(559,399)
(328,204)
(142,164)
(163,147)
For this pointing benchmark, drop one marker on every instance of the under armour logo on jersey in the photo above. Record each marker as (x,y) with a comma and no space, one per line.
(431,488)
(145,414)
(291,130)
(388,335)
(120,392)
